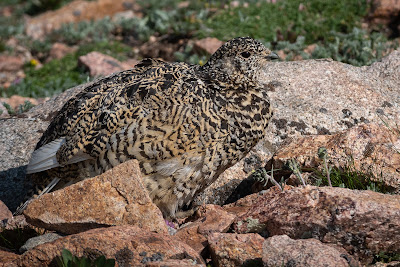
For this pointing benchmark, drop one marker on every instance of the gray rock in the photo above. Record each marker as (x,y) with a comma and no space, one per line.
(281,250)
(365,223)
(38,240)
(320,97)
(309,97)
(324,96)
(18,138)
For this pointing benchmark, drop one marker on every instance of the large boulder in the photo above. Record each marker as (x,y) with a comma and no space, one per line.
(281,250)
(368,149)
(128,245)
(117,197)
(309,97)
(364,223)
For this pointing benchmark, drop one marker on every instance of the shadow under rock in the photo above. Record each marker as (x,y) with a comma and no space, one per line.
(14,186)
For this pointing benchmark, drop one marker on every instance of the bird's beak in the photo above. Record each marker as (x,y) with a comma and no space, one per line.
(272,56)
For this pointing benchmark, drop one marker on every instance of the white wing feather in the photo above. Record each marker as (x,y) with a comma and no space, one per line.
(45,158)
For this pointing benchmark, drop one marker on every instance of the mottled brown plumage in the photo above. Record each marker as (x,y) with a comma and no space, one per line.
(185,124)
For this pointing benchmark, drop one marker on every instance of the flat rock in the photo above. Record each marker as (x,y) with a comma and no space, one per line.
(128,245)
(281,250)
(38,240)
(369,149)
(189,235)
(363,222)
(214,219)
(229,249)
(103,65)
(116,197)
(75,11)
(242,205)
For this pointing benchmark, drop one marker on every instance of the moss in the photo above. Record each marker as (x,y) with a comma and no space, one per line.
(254,225)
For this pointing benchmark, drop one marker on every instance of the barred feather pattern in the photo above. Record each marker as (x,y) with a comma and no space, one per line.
(184,123)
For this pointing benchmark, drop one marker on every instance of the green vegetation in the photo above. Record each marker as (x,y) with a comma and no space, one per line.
(333,27)
(60,74)
(54,77)
(330,175)
(265,21)
(325,175)
(349,177)
(386,257)
(21,108)
(68,260)
(357,47)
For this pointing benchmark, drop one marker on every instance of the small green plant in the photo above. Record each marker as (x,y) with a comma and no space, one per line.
(20,109)
(292,165)
(357,47)
(323,154)
(68,260)
(84,32)
(261,175)
(189,56)
(386,257)
(347,177)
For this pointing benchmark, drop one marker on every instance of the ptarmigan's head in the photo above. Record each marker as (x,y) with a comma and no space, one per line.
(238,62)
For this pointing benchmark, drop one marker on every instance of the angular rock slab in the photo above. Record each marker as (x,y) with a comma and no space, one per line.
(128,245)
(362,222)
(213,219)
(102,65)
(116,197)
(229,249)
(281,250)
(369,148)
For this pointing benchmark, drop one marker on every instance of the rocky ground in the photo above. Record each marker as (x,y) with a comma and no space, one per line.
(244,218)
(351,111)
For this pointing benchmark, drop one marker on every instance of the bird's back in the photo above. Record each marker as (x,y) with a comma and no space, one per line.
(185,124)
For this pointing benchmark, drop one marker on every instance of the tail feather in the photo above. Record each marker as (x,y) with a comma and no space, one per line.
(44,158)
(47,189)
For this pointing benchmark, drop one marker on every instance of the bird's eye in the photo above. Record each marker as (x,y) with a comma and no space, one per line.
(245,54)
